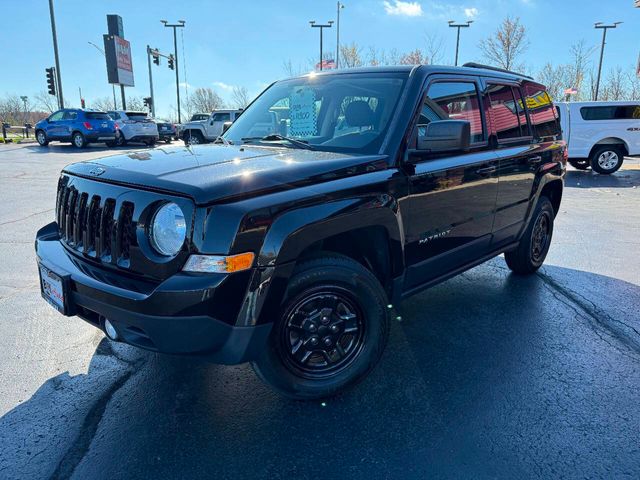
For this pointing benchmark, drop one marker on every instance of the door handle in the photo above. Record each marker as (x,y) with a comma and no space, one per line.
(535,160)
(486,171)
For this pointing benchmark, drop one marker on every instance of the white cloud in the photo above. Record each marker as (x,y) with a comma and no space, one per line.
(471,13)
(223,86)
(406,9)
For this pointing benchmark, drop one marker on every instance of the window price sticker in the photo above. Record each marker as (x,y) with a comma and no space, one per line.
(302,112)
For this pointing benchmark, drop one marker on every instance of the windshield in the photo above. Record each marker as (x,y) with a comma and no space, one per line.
(341,113)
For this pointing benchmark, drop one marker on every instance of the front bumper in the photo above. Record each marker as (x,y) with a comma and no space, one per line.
(174,316)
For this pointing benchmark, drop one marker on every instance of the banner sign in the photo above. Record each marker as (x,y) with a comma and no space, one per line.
(119,64)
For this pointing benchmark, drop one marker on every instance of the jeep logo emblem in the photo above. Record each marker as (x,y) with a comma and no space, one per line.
(97,171)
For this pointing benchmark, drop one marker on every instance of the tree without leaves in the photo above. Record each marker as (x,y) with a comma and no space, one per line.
(555,78)
(240,97)
(434,49)
(413,58)
(350,56)
(46,102)
(102,104)
(204,100)
(505,47)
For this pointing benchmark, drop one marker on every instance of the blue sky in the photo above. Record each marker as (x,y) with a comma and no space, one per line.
(245,42)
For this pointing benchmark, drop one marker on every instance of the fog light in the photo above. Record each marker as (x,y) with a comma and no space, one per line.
(110,330)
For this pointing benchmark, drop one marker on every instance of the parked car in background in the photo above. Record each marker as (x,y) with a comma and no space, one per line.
(600,134)
(196,117)
(134,127)
(166,130)
(290,249)
(210,129)
(80,127)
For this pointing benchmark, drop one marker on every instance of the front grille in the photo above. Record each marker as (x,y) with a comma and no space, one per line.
(95,226)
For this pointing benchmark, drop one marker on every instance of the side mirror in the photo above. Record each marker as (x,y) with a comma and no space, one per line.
(445,136)
(225,126)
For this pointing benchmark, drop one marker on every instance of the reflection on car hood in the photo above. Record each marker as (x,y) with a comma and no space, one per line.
(211,173)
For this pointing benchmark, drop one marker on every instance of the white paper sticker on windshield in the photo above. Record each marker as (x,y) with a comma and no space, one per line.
(302,112)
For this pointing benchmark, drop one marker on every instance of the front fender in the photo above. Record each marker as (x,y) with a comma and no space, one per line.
(295,230)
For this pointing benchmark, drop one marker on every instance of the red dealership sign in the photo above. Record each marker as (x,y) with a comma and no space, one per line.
(119,64)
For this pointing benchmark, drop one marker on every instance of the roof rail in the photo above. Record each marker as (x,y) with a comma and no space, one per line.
(496,69)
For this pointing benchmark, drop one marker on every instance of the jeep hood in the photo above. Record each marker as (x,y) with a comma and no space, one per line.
(211,173)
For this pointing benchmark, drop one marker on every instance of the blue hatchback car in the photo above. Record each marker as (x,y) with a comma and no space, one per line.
(80,127)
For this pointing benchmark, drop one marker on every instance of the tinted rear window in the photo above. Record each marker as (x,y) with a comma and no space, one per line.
(611,112)
(97,116)
(543,115)
(136,115)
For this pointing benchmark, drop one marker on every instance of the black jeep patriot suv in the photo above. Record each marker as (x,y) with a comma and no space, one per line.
(332,198)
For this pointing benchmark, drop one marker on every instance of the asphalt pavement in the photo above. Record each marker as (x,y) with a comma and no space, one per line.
(488,375)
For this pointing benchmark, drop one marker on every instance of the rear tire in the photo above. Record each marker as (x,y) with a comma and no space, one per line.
(120,140)
(78,140)
(607,159)
(535,242)
(41,137)
(579,164)
(331,331)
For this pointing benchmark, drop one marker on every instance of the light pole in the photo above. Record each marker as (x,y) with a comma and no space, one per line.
(24,99)
(340,7)
(453,24)
(55,53)
(113,87)
(321,27)
(180,24)
(604,41)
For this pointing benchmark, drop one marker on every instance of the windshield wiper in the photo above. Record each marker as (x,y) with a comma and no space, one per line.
(224,141)
(276,137)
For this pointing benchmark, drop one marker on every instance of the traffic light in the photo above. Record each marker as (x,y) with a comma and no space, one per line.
(82,103)
(148,102)
(170,61)
(51,81)
(156,57)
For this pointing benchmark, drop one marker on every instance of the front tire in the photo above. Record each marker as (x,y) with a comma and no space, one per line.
(78,140)
(41,137)
(607,159)
(193,138)
(331,331)
(534,245)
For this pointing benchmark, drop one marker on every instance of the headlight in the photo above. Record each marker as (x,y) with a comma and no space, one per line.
(168,229)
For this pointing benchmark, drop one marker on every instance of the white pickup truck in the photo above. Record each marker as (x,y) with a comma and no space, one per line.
(208,130)
(600,134)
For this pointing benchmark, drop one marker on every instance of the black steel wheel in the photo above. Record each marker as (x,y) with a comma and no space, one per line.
(323,333)
(331,331)
(534,245)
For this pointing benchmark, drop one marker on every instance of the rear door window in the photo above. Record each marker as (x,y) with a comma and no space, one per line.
(543,115)
(70,115)
(97,116)
(611,112)
(454,100)
(504,112)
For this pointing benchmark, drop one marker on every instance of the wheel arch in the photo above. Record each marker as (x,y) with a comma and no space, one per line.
(367,230)
(553,191)
(610,141)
